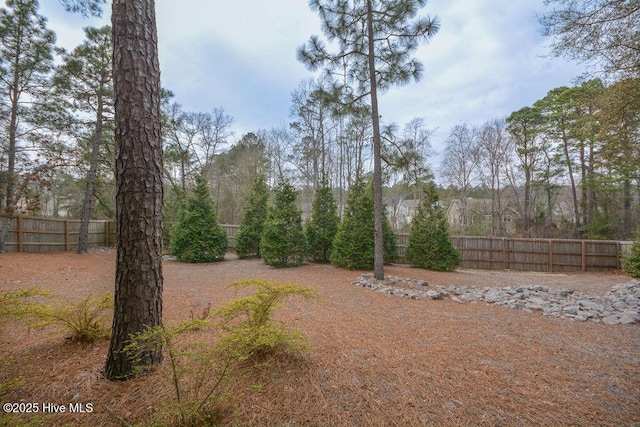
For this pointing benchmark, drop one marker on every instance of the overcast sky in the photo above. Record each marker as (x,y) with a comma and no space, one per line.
(487,60)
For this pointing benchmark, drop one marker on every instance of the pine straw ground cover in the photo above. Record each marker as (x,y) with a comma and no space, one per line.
(375,359)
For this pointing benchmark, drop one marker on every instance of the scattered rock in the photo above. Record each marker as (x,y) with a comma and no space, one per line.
(621,305)
(433,294)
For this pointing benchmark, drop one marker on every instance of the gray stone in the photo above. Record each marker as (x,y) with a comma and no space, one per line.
(537,301)
(570,310)
(620,305)
(611,320)
(591,305)
(629,316)
(433,295)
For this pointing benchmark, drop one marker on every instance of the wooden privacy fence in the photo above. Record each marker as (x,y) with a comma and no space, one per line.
(544,255)
(32,234)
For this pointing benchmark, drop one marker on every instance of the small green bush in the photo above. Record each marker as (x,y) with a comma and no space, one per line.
(429,245)
(196,235)
(248,237)
(12,303)
(86,320)
(250,330)
(283,242)
(631,261)
(196,373)
(200,370)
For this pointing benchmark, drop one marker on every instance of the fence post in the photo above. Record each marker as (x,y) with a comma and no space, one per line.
(584,255)
(106,233)
(504,253)
(66,235)
(550,256)
(19,231)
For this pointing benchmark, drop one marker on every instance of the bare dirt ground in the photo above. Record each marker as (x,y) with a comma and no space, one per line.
(375,359)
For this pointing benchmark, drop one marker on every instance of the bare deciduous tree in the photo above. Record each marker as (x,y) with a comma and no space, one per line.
(460,162)
(604,32)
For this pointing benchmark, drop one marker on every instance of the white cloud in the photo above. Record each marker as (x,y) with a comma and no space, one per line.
(486,61)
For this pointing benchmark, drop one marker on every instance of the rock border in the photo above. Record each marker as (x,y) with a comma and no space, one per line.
(621,305)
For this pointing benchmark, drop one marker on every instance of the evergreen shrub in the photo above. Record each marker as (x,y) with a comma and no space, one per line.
(631,261)
(429,245)
(248,237)
(323,225)
(196,235)
(283,242)
(353,246)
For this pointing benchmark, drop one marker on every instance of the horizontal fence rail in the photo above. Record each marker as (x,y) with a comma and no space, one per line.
(33,234)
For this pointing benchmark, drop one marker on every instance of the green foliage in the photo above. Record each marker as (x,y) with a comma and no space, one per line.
(12,303)
(353,246)
(599,228)
(631,260)
(200,370)
(6,385)
(197,236)
(323,226)
(12,308)
(86,320)
(429,245)
(196,372)
(16,420)
(250,330)
(398,32)
(173,199)
(283,242)
(250,231)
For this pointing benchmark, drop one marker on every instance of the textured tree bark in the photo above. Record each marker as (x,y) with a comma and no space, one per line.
(138,287)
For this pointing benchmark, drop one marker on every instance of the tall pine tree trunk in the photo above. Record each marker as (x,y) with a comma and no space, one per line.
(378,254)
(138,293)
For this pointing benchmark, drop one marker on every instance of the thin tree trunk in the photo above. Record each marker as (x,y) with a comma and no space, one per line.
(574,194)
(138,293)
(584,185)
(627,198)
(592,203)
(527,203)
(378,254)
(10,206)
(83,235)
